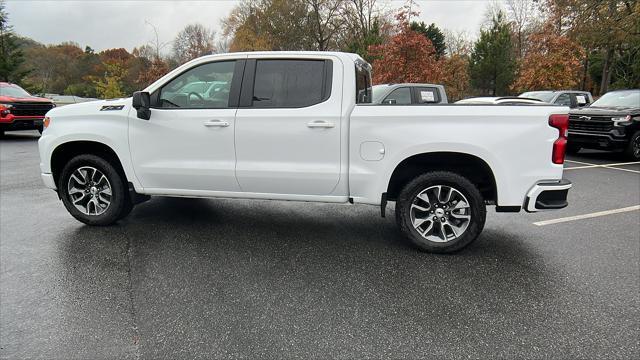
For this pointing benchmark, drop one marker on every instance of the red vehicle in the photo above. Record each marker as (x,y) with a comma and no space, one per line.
(19,110)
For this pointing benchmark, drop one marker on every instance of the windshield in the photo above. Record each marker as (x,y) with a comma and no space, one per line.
(13,91)
(545,96)
(628,98)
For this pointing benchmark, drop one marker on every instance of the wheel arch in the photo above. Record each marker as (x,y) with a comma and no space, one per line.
(470,166)
(68,150)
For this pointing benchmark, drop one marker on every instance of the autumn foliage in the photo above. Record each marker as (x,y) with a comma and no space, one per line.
(551,62)
(408,57)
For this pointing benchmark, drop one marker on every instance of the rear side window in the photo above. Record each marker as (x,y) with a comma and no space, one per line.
(427,95)
(290,83)
(363,83)
(563,100)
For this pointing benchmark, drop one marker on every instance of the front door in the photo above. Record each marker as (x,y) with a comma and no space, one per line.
(288,126)
(188,143)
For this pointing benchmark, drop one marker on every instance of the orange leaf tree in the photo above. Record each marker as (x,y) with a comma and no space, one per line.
(408,57)
(551,62)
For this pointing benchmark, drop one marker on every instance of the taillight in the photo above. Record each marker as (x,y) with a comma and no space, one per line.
(560,122)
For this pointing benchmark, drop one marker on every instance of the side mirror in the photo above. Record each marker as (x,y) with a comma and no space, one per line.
(142,103)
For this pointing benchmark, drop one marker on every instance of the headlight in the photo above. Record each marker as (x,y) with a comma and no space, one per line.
(621,121)
(5,109)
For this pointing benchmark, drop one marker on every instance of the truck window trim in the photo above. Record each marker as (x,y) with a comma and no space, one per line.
(249,78)
(234,91)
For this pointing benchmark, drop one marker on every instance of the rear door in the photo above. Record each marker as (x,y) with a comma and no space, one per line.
(288,126)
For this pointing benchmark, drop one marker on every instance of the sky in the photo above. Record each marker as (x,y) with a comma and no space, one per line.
(113,24)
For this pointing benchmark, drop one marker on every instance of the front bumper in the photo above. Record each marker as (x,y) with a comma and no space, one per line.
(21,123)
(548,195)
(598,140)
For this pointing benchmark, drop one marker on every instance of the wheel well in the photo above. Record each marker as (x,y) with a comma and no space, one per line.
(67,151)
(469,166)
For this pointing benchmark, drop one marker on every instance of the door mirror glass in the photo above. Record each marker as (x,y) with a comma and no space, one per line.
(142,103)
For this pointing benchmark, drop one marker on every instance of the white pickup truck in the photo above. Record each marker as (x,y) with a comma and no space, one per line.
(300,126)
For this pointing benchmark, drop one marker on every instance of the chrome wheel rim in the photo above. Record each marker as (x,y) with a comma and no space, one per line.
(440,213)
(636,147)
(89,190)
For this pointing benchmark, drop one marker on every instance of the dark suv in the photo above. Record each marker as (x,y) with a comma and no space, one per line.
(610,123)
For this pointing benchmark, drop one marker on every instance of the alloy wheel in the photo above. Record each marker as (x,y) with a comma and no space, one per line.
(440,213)
(89,190)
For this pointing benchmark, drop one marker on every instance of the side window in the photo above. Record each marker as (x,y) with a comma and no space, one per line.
(399,96)
(290,83)
(364,93)
(581,99)
(427,95)
(204,87)
(563,100)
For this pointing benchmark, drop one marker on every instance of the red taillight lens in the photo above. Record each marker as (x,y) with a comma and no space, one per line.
(560,122)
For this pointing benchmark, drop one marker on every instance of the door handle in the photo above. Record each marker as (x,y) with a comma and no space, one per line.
(320,124)
(216,123)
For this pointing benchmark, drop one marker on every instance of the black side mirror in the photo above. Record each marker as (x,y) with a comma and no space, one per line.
(142,103)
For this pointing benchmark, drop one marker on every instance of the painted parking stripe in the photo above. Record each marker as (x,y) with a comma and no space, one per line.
(587,216)
(607,166)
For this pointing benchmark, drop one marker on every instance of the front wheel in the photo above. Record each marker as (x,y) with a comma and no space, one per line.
(93,191)
(633,149)
(440,212)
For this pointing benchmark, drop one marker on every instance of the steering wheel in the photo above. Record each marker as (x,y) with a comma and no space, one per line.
(196,94)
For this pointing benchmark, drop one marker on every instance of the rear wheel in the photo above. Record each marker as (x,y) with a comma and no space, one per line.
(440,212)
(93,191)
(633,148)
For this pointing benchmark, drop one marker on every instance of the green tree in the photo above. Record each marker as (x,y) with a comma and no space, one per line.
(433,33)
(110,86)
(11,56)
(492,64)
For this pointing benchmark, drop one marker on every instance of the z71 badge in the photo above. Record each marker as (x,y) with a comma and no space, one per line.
(111,107)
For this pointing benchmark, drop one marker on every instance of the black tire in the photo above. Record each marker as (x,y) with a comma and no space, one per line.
(476,208)
(632,152)
(573,149)
(120,201)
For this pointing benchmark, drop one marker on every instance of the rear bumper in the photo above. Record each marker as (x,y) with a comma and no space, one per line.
(48,180)
(548,195)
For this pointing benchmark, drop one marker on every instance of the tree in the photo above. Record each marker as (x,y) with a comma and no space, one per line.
(11,56)
(110,86)
(407,57)
(193,41)
(433,33)
(324,22)
(455,76)
(551,62)
(523,17)
(492,64)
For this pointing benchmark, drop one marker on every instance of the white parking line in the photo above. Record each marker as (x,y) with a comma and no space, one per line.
(607,166)
(587,216)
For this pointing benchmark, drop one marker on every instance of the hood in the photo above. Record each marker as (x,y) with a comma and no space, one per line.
(606,111)
(103,107)
(11,99)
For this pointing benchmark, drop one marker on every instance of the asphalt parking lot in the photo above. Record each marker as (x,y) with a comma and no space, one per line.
(184,278)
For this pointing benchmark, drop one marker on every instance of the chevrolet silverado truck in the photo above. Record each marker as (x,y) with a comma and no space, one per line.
(301,126)
(610,123)
(19,110)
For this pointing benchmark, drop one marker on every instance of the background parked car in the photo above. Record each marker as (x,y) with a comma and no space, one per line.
(408,94)
(610,123)
(20,110)
(571,98)
(503,100)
